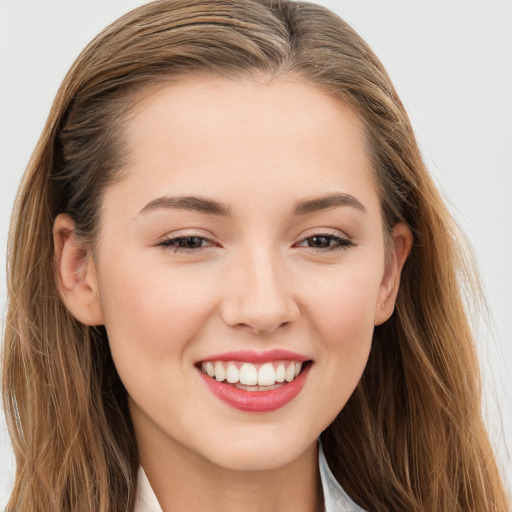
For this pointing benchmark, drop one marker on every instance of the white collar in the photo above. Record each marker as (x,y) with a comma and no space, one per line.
(145,499)
(335,498)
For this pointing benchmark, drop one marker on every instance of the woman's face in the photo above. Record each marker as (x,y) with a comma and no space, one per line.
(245,237)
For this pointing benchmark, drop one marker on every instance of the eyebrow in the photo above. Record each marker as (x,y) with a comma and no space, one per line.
(191,203)
(213,207)
(326,203)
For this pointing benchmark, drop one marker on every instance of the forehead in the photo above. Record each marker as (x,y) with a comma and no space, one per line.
(287,108)
(269,138)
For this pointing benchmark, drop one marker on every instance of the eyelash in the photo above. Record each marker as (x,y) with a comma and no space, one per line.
(341,243)
(171,244)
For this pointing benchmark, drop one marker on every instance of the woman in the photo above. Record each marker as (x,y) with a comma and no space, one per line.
(226,246)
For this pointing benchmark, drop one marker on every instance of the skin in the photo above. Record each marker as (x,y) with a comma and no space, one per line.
(259,147)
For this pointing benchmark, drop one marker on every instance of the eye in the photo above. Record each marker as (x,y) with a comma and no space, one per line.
(323,242)
(188,244)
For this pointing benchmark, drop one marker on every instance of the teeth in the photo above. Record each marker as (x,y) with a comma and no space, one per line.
(290,372)
(257,388)
(248,374)
(265,376)
(232,374)
(220,372)
(280,372)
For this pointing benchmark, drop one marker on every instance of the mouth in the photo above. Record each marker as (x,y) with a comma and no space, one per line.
(254,386)
(253,377)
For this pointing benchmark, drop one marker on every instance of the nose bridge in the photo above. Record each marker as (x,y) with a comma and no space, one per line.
(261,295)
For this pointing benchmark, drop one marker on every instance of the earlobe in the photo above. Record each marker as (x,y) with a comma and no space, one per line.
(400,249)
(76,273)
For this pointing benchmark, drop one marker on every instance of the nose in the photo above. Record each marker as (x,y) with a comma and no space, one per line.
(259,295)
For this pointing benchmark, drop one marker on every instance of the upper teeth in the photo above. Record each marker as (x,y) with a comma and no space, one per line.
(252,374)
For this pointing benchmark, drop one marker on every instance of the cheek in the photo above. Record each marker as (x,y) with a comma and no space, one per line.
(342,316)
(347,332)
(343,305)
(151,312)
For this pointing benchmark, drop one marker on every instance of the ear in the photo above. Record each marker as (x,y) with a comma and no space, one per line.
(399,251)
(76,273)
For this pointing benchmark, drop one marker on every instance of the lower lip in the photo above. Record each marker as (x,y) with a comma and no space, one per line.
(256,401)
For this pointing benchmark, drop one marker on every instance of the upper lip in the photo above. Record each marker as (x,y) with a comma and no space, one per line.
(253,356)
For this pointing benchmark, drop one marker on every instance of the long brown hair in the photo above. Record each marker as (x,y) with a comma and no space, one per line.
(413,429)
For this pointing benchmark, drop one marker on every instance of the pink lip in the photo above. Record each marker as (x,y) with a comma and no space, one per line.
(257,401)
(257,357)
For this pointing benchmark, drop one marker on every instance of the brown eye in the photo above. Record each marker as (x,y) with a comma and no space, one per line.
(190,242)
(325,242)
(186,243)
(320,242)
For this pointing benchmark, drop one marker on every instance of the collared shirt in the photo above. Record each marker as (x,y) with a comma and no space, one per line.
(335,498)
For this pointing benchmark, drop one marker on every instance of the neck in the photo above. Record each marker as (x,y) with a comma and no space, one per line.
(184,481)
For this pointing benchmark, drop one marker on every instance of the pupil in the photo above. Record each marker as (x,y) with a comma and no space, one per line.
(319,241)
(191,242)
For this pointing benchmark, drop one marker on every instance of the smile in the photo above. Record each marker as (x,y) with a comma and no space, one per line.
(253,377)
(255,382)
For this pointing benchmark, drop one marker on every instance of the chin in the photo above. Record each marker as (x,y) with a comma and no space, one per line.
(259,452)
(254,460)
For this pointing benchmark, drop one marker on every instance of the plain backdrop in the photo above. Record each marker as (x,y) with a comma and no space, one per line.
(451,62)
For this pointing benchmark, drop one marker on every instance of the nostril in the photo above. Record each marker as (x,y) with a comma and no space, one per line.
(261,311)
(270,330)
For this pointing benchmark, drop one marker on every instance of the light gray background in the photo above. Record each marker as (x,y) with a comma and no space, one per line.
(451,61)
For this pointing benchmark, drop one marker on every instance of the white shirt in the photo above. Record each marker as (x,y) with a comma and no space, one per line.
(335,498)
